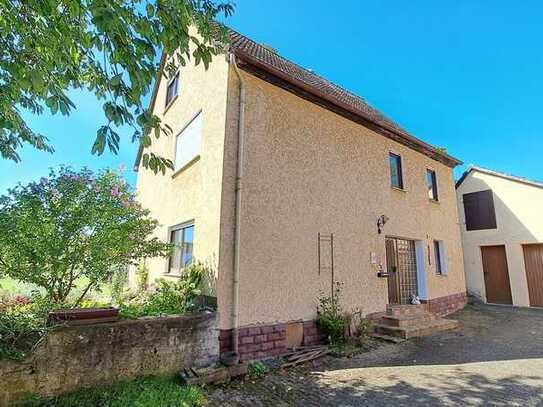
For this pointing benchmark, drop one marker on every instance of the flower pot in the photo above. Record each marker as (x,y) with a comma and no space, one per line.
(83,316)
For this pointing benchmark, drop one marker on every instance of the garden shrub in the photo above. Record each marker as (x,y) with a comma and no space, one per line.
(23,324)
(73,226)
(169,297)
(119,281)
(257,369)
(142,277)
(331,318)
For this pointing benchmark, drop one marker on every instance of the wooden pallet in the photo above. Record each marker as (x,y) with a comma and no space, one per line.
(302,354)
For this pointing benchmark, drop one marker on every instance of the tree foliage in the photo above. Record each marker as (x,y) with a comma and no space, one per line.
(73,226)
(109,47)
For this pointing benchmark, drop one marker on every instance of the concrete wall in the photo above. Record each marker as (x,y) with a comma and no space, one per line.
(194,193)
(308,170)
(518,216)
(88,355)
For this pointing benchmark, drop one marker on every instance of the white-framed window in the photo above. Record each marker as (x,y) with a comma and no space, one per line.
(172,89)
(182,236)
(188,142)
(440,258)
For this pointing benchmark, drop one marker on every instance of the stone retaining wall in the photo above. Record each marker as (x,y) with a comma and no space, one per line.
(72,357)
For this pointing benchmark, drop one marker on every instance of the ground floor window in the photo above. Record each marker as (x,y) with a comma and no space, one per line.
(439,256)
(182,236)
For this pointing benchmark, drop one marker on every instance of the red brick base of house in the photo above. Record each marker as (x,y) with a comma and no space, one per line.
(264,341)
(446,305)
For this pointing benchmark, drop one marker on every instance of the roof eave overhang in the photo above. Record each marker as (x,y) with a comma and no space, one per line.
(279,78)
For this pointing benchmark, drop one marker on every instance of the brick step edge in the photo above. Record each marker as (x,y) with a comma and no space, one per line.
(406,321)
(434,326)
(412,310)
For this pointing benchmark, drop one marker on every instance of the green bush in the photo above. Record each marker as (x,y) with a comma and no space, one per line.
(331,318)
(169,297)
(362,329)
(119,282)
(75,226)
(257,370)
(22,327)
(142,277)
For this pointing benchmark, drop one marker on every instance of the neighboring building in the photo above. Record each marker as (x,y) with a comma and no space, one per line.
(317,168)
(502,236)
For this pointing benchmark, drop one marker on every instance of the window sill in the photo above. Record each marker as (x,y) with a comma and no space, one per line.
(186,166)
(174,275)
(399,189)
(167,107)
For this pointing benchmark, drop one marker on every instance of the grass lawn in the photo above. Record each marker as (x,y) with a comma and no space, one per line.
(139,393)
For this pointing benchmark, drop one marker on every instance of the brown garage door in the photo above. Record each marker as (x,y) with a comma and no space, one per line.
(533,260)
(498,290)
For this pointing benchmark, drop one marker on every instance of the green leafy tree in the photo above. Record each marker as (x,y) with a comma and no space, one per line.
(72,227)
(109,47)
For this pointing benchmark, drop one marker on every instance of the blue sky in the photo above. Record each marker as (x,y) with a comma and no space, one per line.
(466,75)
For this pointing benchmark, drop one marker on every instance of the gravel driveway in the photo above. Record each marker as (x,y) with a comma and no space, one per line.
(496,359)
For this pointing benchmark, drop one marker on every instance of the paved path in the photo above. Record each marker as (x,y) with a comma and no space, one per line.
(496,359)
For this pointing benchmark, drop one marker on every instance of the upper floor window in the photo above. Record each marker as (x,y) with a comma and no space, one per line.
(431,183)
(183,238)
(396,176)
(172,89)
(187,143)
(479,210)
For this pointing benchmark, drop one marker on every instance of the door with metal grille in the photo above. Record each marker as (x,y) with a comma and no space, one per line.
(402,270)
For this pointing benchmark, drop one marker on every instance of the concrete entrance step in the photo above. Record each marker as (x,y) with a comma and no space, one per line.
(407,320)
(421,328)
(395,310)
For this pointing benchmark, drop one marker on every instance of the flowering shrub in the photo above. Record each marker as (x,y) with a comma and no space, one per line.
(73,226)
(9,302)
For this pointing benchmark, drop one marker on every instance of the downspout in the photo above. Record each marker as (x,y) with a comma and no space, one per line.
(239,174)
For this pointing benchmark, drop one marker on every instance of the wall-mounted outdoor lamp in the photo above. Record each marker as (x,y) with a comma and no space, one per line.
(381,223)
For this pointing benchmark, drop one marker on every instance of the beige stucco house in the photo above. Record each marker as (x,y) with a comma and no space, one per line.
(502,236)
(282,179)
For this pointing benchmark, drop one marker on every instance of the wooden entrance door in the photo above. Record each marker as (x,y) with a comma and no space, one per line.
(496,275)
(402,270)
(533,261)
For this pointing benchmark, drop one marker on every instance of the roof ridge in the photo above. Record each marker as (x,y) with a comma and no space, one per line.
(504,174)
(335,85)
